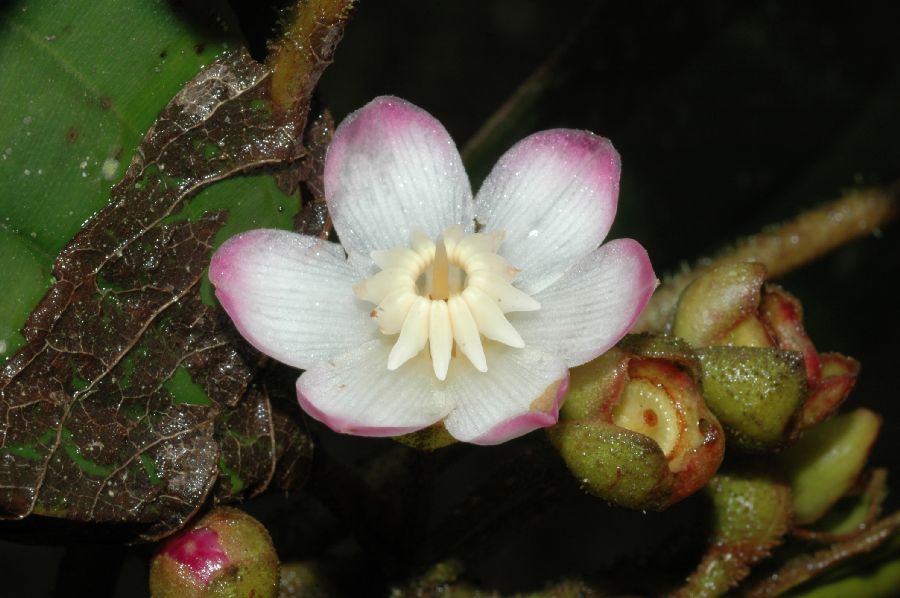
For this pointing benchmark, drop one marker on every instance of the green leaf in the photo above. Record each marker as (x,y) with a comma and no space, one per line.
(81,84)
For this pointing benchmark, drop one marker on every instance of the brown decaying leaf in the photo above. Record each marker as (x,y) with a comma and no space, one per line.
(313,219)
(93,423)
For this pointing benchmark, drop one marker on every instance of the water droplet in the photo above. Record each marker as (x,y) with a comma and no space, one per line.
(27,120)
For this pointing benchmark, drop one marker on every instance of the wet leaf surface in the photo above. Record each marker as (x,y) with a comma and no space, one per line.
(128,400)
(74,115)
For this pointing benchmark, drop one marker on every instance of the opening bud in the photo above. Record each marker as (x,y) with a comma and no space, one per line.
(635,429)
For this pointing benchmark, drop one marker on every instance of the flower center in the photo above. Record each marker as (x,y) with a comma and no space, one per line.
(446,294)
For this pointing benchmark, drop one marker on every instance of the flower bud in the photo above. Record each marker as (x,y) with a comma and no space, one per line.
(830,376)
(227,553)
(729,306)
(751,514)
(756,393)
(635,429)
(827,461)
(720,307)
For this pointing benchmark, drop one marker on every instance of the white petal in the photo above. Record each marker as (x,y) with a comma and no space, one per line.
(440,336)
(555,194)
(593,306)
(290,295)
(465,332)
(413,335)
(392,166)
(356,393)
(522,391)
(490,319)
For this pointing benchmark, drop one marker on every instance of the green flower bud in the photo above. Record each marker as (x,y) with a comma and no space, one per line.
(752,512)
(827,461)
(719,308)
(729,306)
(635,429)
(226,554)
(756,393)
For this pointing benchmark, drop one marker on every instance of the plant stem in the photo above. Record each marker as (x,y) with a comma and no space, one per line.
(307,47)
(785,247)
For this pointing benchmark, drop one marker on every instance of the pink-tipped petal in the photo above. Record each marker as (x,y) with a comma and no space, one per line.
(553,399)
(593,306)
(555,195)
(290,295)
(521,391)
(392,167)
(355,393)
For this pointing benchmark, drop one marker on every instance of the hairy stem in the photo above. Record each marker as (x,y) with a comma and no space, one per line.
(307,47)
(785,247)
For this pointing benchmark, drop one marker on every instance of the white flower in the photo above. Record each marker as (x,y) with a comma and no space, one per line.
(475,330)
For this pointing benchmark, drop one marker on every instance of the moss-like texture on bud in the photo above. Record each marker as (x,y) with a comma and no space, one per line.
(624,467)
(635,430)
(827,461)
(752,512)
(756,393)
(227,554)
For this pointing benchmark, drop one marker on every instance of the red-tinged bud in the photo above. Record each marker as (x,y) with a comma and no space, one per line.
(837,379)
(227,553)
(830,377)
(729,306)
(635,429)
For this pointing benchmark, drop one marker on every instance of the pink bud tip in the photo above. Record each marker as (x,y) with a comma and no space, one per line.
(200,551)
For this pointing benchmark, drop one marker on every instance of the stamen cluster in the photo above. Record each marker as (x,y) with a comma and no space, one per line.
(446,294)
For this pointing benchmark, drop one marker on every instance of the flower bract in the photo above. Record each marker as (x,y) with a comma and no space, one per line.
(437,306)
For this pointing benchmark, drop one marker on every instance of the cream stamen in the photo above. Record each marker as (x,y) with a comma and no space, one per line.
(453,292)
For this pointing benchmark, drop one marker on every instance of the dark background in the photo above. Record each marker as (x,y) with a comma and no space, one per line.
(728,117)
